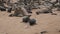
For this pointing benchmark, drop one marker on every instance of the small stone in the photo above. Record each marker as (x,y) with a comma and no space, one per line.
(54,14)
(37,13)
(11,15)
(32,22)
(26,19)
(43,32)
(59,30)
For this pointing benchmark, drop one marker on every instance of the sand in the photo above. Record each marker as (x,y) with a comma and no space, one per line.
(14,25)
